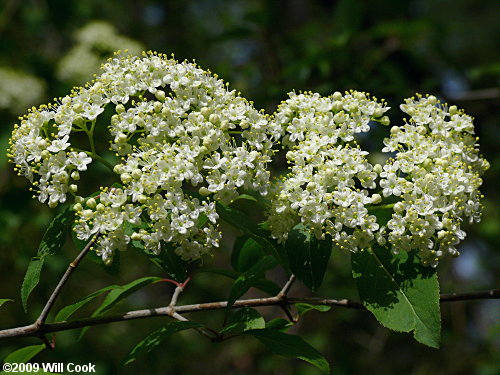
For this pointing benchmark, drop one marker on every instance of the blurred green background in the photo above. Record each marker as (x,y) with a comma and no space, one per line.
(264,49)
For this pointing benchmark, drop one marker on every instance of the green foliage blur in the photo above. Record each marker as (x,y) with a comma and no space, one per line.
(265,49)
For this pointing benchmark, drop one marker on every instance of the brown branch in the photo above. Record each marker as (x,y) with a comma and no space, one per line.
(60,285)
(37,330)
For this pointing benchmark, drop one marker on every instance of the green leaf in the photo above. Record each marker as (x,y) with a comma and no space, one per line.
(290,346)
(401,293)
(52,241)
(170,262)
(69,310)
(265,285)
(308,256)
(119,293)
(248,279)
(246,197)
(55,236)
(23,355)
(246,252)
(302,308)
(31,279)
(279,324)
(156,338)
(3,300)
(240,220)
(243,320)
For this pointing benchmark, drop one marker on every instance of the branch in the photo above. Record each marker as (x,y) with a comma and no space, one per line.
(60,285)
(37,330)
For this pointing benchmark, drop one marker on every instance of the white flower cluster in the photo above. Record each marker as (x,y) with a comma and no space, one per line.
(95,42)
(19,90)
(170,141)
(330,181)
(187,142)
(436,175)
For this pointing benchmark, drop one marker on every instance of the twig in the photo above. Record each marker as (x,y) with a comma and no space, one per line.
(283,296)
(207,332)
(286,288)
(37,330)
(43,315)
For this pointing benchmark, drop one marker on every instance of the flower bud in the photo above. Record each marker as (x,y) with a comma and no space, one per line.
(337,95)
(432,99)
(160,95)
(136,174)
(78,108)
(377,168)
(157,107)
(77,207)
(399,207)
(126,178)
(75,175)
(73,188)
(100,207)
(453,110)
(45,154)
(120,108)
(91,203)
(385,120)
(136,237)
(376,198)
(142,199)
(422,130)
(79,199)
(204,191)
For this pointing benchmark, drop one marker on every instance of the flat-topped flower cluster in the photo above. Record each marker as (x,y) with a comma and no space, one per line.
(187,142)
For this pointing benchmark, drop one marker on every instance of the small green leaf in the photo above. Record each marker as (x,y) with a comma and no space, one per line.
(302,308)
(119,293)
(279,324)
(401,293)
(55,236)
(53,240)
(31,279)
(69,310)
(243,320)
(248,279)
(246,252)
(3,300)
(170,262)
(156,338)
(23,355)
(246,197)
(308,256)
(240,220)
(290,346)
(265,285)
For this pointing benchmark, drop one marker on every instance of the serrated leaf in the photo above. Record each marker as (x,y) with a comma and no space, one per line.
(156,338)
(3,300)
(243,320)
(52,241)
(31,279)
(302,308)
(69,310)
(307,256)
(248,279)
(401,293)
(246,252)
(291,346)
(23,355)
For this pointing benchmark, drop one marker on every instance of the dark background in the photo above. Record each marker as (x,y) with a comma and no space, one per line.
(265,49)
